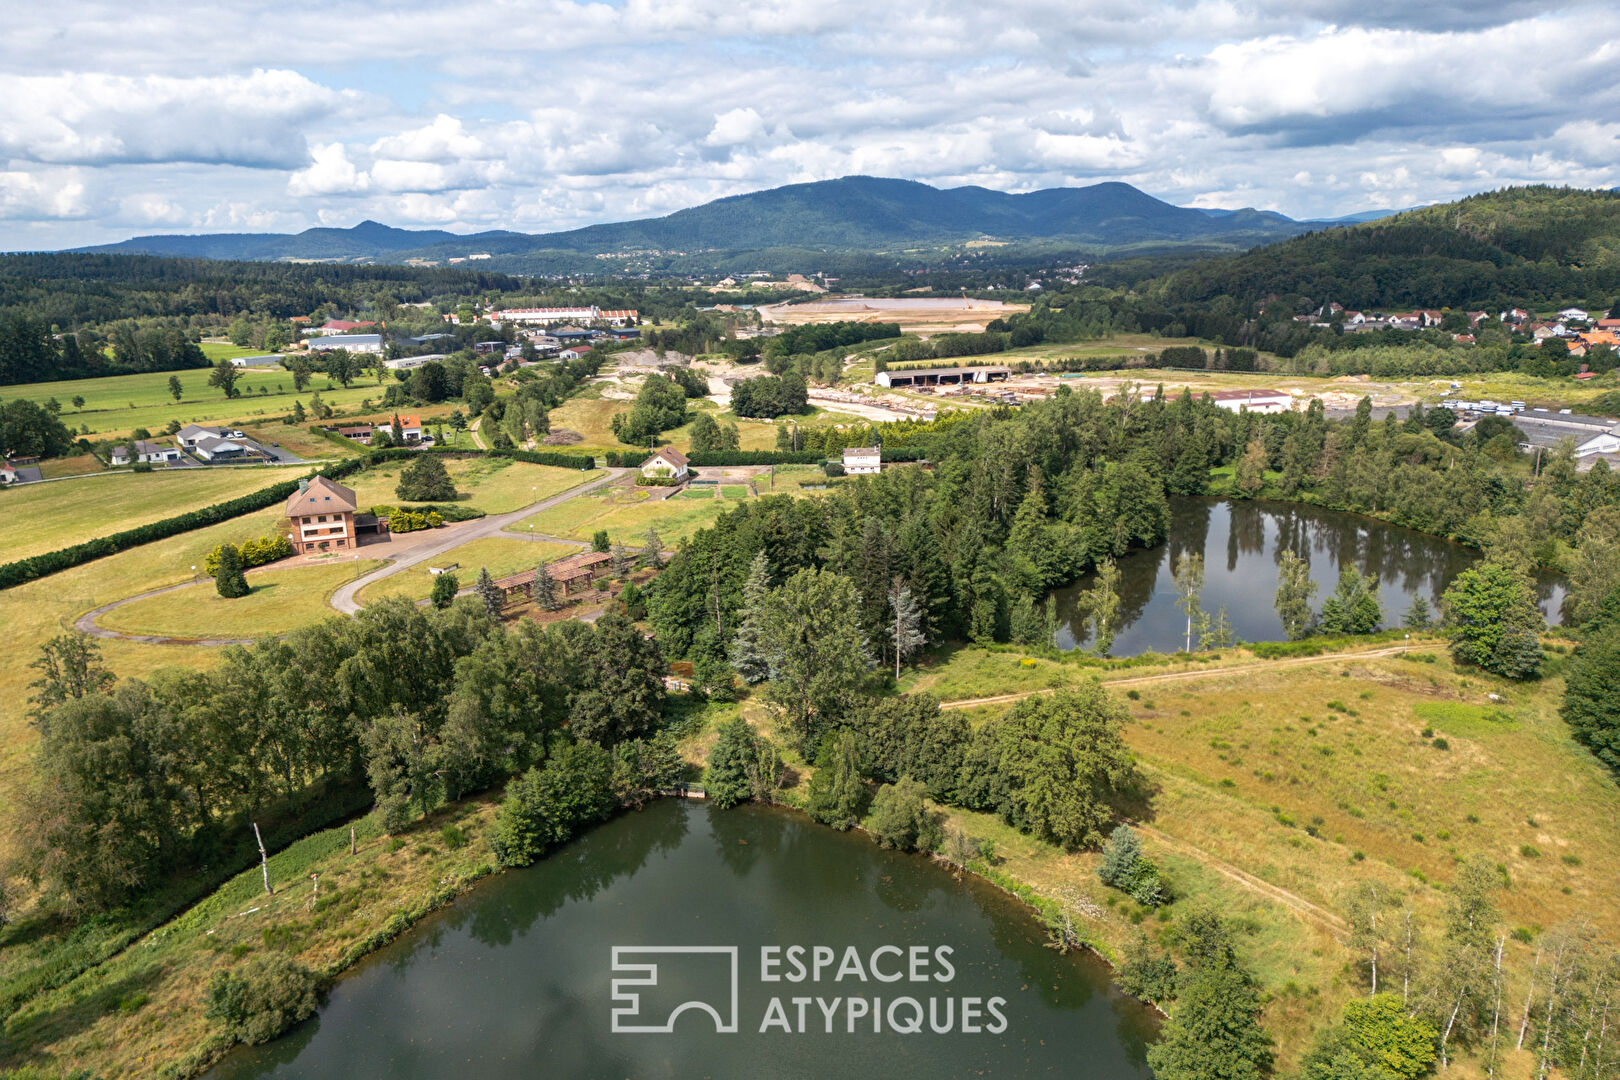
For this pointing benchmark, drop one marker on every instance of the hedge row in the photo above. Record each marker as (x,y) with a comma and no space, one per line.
(54,562)
(758,457)
(584,462)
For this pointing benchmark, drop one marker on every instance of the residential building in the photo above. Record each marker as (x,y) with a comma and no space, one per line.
(190,435)
(1573,314)
(15,471)
(1256,401)
(863,460)
(215,449)
(322,516)
(410,428)
(355,343)
(360,435)
(149,452)
(667,463)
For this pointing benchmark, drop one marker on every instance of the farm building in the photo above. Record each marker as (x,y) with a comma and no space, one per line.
(1255,401)
(952,376)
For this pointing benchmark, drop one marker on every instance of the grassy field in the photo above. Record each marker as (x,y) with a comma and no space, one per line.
(117,404)
(625,517)
(500,556)
(1278,786)
(45,517)
(592,417)
(143,1008)
(281,600)
(493,485)
(224,350)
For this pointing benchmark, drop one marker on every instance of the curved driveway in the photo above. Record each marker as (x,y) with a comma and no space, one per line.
(344,599)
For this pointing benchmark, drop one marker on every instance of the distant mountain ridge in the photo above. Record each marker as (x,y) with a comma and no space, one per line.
(851,214)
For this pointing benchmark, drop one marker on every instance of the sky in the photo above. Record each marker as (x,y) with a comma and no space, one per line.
(124,117)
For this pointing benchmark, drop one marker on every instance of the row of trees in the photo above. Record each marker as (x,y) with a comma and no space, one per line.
(140,779)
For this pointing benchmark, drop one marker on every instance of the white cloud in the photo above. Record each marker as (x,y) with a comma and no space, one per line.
(255,120)
(476,114)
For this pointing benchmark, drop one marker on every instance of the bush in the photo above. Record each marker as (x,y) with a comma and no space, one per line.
(1148,973)
(264,996)
(754,457)
(445,586)
(404,521)
(257,552)
(901,818)
(546,806)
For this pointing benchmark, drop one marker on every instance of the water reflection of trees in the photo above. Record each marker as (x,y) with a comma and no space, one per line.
(576,871)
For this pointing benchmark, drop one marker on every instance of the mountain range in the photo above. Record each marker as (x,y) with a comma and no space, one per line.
(852,214)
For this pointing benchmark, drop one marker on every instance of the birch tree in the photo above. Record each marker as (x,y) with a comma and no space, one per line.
(1189,578)
(908,622)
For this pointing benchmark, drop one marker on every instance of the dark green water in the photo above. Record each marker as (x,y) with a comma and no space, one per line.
(516,979)
(1241,543)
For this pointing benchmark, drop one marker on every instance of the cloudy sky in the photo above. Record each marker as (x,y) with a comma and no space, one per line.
(119,117)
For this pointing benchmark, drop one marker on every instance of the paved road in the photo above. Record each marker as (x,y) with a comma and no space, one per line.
(344,599)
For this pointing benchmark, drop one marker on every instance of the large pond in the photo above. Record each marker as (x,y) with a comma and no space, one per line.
(1241,543)
(516,980)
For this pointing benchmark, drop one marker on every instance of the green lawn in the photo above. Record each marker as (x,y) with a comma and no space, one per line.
(734,491)
(626,523)
(493,485)
(224,350)
(281,600)
(117,404)
(500,556)
(45,517)
(705,492)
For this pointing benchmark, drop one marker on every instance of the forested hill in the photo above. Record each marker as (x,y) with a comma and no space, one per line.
(1530,247)
(854,213)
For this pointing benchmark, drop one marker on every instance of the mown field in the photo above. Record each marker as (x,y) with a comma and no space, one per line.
(626,514)
(493,485)
(45,517)
(117,404)
(500,556)
(281,600)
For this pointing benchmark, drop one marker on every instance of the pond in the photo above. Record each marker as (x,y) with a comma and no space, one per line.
(1241,543)
(516,979)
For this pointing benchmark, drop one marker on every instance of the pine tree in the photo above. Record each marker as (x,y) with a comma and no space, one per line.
(908,633)
(652,550)
(489,593)
(544,589)
(747,651)
(1419,616)
(228,578)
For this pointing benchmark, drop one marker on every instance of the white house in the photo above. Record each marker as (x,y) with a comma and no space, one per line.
(190,435)
(863,460)
(355,343)
(212,448)
(410,428)
(1574,314)
(667,463)
(1256,401)
(150,452)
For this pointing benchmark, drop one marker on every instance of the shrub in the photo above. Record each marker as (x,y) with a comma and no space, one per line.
(547,805)
(901,818)
(453,837)
(1148,973)
(256,552)
(262,997)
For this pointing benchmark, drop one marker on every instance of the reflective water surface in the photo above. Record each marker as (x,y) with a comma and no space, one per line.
(515,980)
(1241,543)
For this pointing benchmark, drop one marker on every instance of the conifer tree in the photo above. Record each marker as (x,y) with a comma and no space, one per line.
(489,593)
(747,652)
(544,589)
(228,578)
